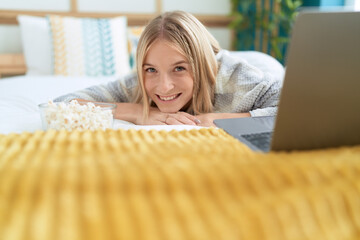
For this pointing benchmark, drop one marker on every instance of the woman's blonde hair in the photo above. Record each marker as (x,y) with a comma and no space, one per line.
(191,38)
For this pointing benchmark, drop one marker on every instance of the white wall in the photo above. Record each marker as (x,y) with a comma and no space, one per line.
(10,40)
(213,7)
(36,5)
(205,7)
(133,6)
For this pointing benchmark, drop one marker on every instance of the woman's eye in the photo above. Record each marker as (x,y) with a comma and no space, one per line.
(178,69)
(150,70)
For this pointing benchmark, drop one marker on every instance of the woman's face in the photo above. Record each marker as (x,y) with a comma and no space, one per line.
(167,77)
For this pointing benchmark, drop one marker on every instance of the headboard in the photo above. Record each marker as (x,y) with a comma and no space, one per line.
(14,64)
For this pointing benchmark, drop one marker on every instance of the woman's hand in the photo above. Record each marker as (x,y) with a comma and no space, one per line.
(207,119)
(159,118)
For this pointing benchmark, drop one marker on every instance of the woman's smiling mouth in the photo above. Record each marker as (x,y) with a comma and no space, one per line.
(168,98)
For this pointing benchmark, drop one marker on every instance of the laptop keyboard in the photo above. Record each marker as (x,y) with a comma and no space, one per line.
(260,140)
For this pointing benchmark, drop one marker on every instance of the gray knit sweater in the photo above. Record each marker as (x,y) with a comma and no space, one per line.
(240,87)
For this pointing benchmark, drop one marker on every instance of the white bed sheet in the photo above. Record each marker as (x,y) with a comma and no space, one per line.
(20,96)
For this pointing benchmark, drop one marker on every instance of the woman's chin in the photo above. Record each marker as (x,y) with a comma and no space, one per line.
(169,110)
(172,109)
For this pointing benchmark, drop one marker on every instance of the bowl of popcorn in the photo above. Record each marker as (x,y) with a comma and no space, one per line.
(76,115)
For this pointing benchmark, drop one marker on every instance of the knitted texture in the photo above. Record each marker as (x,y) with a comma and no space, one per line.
(194,184)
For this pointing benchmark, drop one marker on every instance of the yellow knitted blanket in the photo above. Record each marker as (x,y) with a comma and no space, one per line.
(195,184)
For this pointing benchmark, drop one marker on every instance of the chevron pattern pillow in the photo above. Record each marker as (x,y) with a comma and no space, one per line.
(89,46)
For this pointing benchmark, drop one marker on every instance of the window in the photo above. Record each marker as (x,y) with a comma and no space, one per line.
(357,5)
(353,4)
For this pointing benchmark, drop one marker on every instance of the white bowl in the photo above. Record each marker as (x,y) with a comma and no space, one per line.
(77,116)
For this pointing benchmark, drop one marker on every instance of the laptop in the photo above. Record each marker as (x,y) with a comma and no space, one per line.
(319,106)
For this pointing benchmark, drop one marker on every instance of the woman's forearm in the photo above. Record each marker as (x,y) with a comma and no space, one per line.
(207,119)
(230,115)
(130,112)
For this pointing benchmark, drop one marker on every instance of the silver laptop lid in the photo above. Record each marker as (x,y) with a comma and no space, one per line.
(320,100)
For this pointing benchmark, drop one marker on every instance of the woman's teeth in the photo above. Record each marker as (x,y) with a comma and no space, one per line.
(168,98)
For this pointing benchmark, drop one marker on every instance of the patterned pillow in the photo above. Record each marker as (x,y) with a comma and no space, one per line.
(134,34)
(89,46)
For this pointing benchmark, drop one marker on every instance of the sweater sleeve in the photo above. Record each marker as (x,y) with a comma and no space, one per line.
(267,98)
(120,90)
(267,102)
(242,87)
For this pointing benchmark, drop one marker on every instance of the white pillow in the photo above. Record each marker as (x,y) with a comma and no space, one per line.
(263,61)
(36,41)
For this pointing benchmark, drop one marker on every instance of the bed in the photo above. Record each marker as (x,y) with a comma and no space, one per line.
(162,182)
(153,182)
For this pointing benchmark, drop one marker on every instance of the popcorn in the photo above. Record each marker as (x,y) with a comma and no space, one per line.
(71,116)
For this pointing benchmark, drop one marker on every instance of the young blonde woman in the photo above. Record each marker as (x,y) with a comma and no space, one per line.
(182,77)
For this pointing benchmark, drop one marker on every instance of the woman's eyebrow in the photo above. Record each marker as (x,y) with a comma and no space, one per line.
(176,63)
(181,62)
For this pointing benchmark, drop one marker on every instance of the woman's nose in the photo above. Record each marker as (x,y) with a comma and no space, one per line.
(165,84)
